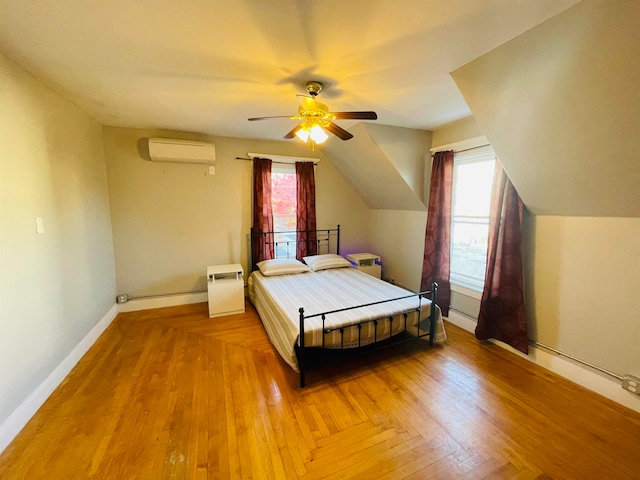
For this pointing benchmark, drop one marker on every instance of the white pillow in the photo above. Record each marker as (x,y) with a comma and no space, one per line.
(281,266)
(328,260)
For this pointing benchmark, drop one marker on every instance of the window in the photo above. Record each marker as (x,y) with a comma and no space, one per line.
(471,203)
(283,204)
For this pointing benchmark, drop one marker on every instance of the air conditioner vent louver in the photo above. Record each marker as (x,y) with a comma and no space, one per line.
(181,151)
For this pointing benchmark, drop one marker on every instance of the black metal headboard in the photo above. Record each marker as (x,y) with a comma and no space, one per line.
(284,243)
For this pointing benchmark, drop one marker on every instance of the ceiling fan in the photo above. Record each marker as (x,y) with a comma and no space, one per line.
(315,118)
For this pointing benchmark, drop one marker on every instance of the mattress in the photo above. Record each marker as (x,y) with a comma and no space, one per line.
(279,298)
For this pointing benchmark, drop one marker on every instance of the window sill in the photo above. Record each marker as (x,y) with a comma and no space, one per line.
(469,292)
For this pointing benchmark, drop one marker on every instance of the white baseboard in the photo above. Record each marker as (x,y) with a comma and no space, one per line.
(462,321)
(134,305)
(21,415)
(574,371)
(580,374)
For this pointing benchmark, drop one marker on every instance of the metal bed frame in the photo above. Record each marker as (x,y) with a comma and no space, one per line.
(304,353)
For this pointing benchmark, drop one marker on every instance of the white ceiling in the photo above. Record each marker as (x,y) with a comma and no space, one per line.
(206,66)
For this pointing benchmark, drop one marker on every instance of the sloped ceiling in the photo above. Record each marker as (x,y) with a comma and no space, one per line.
(206,66)
(561,107)
(385,165)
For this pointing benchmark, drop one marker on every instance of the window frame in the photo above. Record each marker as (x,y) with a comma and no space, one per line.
(290,249)
(469,286)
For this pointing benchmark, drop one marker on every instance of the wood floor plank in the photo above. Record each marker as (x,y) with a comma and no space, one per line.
(411,461)
(354,458)
(171,393)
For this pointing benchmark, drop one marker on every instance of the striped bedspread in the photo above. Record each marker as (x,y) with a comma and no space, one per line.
(278,299)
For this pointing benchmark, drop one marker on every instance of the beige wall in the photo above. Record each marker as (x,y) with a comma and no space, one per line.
(398,237)
(456,132)
(375,175)
(172,220)
(559,104)
(56,286)
(582,276)
(407,149)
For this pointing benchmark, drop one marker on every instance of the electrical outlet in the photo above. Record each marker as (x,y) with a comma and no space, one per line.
(631,383)
(124,298)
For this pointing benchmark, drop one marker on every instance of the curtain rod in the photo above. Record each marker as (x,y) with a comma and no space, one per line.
(273,161)
(467,149)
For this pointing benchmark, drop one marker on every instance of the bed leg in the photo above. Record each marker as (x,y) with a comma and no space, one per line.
(432,313)
(301,348)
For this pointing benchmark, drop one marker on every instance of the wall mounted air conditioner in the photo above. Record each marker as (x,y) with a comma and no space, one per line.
(181,151)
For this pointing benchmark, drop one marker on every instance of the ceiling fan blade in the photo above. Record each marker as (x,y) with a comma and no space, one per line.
(338,131)
(292,133)
(267,118)
(355,115)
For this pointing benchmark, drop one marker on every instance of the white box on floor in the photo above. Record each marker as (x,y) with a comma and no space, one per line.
(225,286)
(366,262)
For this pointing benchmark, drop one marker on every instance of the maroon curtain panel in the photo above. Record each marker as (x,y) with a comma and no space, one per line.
(502,311)
(262,239)
(437,243)
(305,210)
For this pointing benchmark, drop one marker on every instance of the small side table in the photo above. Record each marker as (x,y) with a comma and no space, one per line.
(225,286)
(366,262)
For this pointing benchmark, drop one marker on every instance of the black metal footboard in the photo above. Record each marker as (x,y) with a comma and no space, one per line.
(430,332)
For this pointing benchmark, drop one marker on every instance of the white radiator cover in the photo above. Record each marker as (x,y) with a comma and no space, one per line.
(181,151)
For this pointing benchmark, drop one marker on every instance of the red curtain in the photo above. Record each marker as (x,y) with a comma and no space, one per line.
(262,242)
(306,210)
(436,262)
(502,311)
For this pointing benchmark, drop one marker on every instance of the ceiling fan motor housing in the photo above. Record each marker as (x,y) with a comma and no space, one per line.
(314,88)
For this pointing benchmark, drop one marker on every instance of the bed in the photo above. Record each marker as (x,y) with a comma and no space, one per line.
(336,306)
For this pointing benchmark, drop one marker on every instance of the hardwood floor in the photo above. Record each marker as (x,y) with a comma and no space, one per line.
(170,393)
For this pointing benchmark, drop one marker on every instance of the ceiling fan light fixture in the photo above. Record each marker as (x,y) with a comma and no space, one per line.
(318,134)
(312,134)
(316,121)
(303,134)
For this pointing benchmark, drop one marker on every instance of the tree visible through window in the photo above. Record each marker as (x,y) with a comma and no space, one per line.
(472,184)
(283,204)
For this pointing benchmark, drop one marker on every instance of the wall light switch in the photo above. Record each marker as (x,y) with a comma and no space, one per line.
(212,170)
(39,225)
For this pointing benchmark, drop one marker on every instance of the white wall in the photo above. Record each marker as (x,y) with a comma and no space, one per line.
(172,220)
(55,286)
